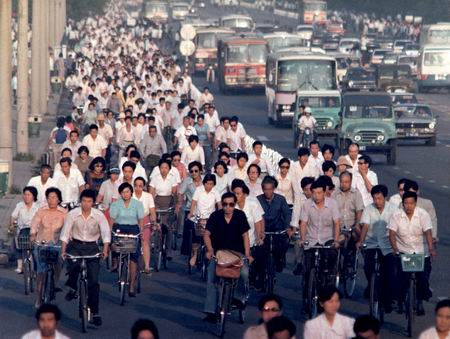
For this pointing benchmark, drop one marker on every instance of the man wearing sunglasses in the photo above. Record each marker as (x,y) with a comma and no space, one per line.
(227,229)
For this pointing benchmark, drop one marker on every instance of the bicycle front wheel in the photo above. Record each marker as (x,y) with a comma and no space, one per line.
(123,279)
(374,297)
(350,270)
(27,276)
(48,287)
(223,309)
(270,276)
(83,308)
(312,294)
(409,305)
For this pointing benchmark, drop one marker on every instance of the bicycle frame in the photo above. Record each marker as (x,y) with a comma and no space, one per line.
(48,291)
(270,267)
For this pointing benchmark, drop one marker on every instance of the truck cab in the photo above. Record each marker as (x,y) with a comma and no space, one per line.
(368,119)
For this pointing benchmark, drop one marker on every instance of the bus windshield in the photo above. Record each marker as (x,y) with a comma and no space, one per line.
(307,75)
(155,8)
(437,58)
(206,40)
(246,53)
(439,35)
(367,112)
(321,102)
(277,43)
(315,6)
(238,23)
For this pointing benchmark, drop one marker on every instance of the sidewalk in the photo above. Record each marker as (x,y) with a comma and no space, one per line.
(22,170)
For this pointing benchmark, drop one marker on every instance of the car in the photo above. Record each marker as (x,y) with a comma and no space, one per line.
(401,97)
(399,45)
(335,29)
(378,55)
(394,77)
(359,78)
(412,50)
(367,118)
(180,10)
(390,59)
(304,31)
(411,61)
(347,45)
(416,122)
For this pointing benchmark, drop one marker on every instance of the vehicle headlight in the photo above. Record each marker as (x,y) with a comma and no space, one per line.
(357,137)
(380,137)
(286,107)
(329,124)
(350,84)
(432,125)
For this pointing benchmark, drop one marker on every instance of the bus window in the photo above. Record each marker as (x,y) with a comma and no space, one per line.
(257,53)
(237,54)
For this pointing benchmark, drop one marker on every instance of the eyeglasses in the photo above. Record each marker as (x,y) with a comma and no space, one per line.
(228,204)
(287,167)
(194,171)
(271,309)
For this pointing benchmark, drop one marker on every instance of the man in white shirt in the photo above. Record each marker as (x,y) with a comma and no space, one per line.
(206,97)
(302,168)
(257,159)
(235,136)
(42,182)
(316,156)
(69,181)
(96,144)
(73,143)
(409,228)
(194,152)
(442,326)
(396,199)
(212,119)
(364,179)
(353,155)
(221,134)
(48,317)
(183,133)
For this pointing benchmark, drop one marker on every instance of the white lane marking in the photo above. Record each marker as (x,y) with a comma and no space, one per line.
(396,168)
(419,177)
(431,181)
(261,138)
(444,186)
(407,172)
(447,145)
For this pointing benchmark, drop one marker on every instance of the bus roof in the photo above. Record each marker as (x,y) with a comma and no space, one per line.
(281,35)
(213,29)
(244,39)
(331,93)
(236,16)
(435,47)
(300,53)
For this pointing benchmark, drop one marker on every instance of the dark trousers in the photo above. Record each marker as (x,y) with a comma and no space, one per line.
(422,281)
(93,267)
(388,274)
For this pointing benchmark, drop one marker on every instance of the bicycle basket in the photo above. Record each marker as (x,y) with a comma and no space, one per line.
(124,245)
(200,227)
(23,240)
(412,262)
(49,254)
(228,264)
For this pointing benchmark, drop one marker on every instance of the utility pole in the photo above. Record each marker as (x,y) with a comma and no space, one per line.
(22,79)
(36,32)
(5,85)
(44,64)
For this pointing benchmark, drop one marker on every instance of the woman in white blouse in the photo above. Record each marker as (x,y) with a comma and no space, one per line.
(330,324)
(194,152)
(253,180)
(23,214)
(240,170)
(150,217)
(285,182)
(163,187)
(222,177)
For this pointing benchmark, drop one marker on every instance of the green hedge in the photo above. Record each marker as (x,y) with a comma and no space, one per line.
(79,9)
(430,10)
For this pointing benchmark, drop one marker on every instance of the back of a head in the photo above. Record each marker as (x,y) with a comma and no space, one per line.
(144,325)
(280,324)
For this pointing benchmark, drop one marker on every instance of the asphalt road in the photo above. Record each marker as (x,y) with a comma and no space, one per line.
(174,299)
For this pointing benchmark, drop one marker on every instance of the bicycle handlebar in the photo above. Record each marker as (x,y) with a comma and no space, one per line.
(275,232)
(121,235)
(306,244)
(80,257)
(167,210)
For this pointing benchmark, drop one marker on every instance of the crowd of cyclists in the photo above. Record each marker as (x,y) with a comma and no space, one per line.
(143,152)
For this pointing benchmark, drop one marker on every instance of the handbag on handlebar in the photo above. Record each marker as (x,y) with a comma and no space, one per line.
(228,264)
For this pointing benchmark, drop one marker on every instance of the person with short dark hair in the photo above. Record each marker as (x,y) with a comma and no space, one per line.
(396,199)
(83,160)
(303,168)
(259,159)
(280,327)
(82,230)
(269,306)
(374,221)
(144,329)
(42,181)
(96,174)
(364,179)
(152,146)
(22,215)
(328,169)
(48,317)
(285,181)
(226,229)
(193,152)
(236,135)
(442,322)
(328,152)
(221,134)
(239,171)
(96,143)
(409,229)
(69,181)
(366,327)
(329,324)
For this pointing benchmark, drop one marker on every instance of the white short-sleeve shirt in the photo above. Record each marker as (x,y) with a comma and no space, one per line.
(254,213)
(206,201)
(320,328)
(163,187)
(147,200)
(41,188)
(235,138)
(69,186)
(95,146)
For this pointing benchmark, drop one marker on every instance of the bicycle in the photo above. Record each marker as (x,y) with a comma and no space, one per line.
(348,264)
(201,261)
(83,308)
(318,278)
(375,308)
(270,274)
(162,237)
(125,245)
(226,287)
(24,244)
(49,254)
(411,264)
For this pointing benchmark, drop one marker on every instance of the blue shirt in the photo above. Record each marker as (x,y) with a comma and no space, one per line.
(127,215)
(277,214)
